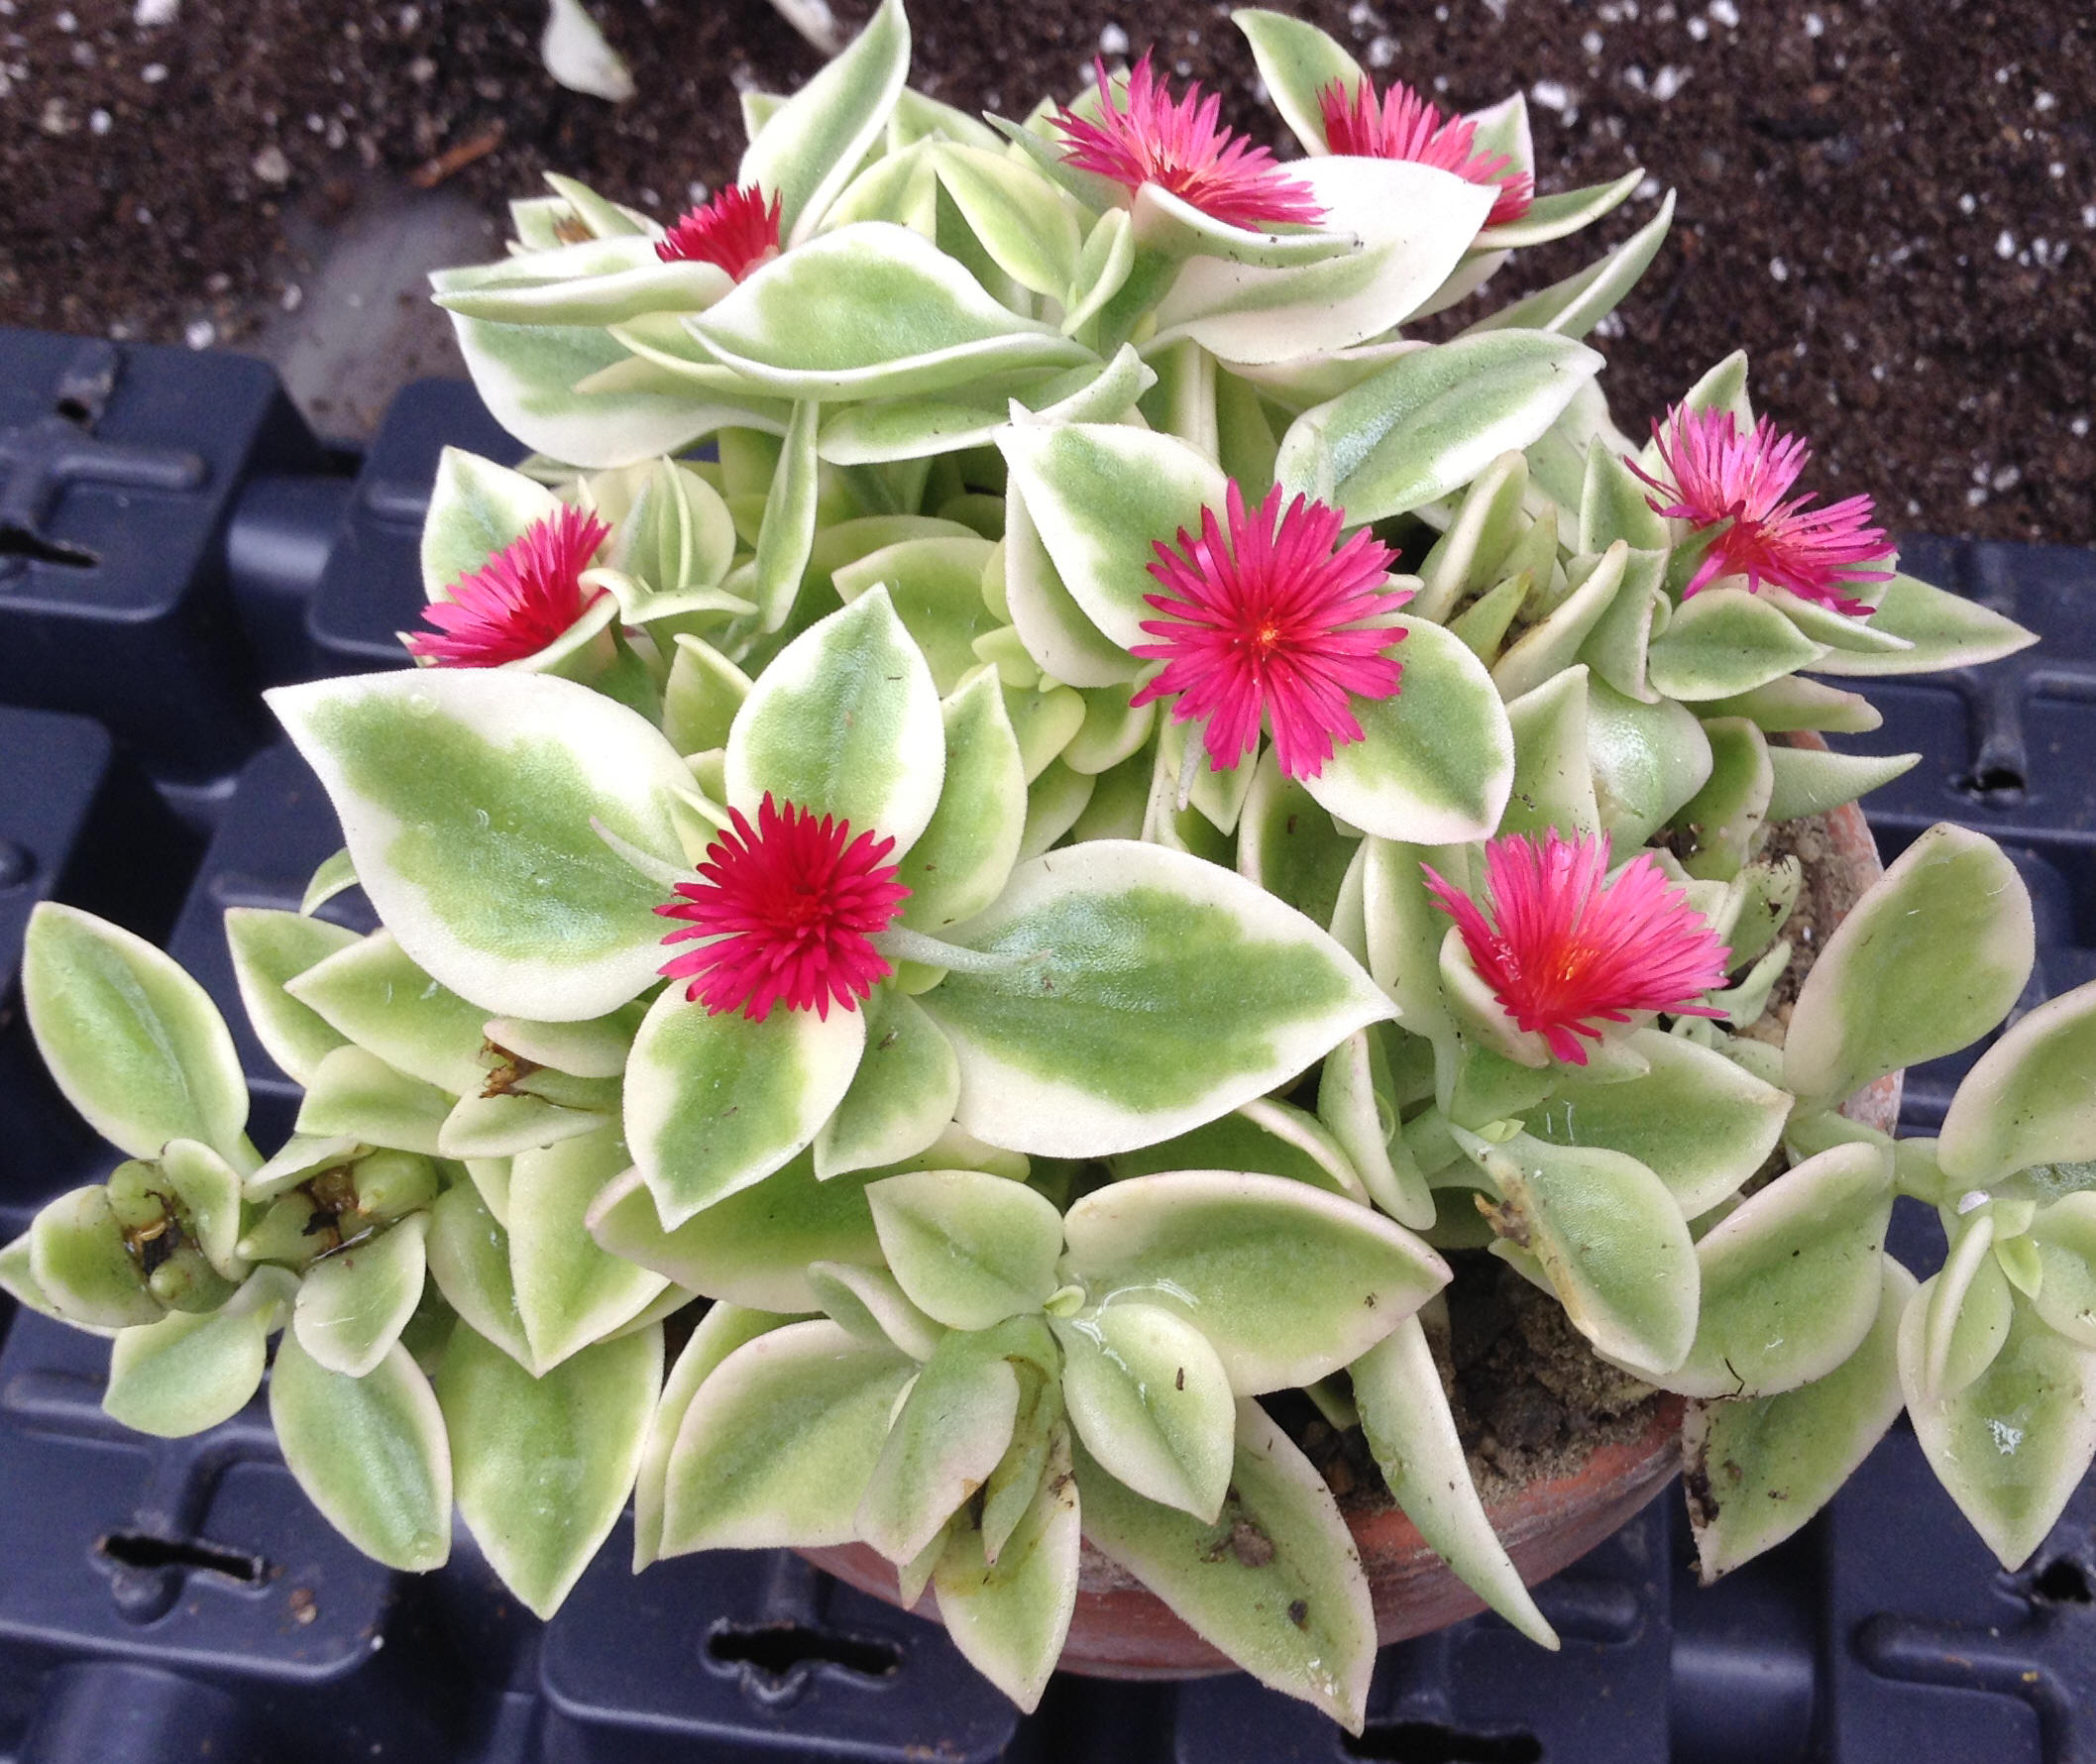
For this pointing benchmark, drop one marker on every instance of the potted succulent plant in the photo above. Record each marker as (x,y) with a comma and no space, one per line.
(1032,797)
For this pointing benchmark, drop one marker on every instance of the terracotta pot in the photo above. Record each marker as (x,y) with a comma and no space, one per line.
(1121,1630)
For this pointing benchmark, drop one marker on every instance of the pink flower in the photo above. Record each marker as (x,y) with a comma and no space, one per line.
(1404,126)
(1273,623)
(1569,946)
(735,230)
(525,597)
(1711,471)
(1183,148)
(790,906)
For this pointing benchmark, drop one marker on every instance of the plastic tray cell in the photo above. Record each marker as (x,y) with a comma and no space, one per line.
(199,1557)
(739,1656)
(371,587)
(119,465)
(275,830)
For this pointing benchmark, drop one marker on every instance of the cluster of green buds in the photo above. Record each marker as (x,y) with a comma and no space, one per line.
(1034,802)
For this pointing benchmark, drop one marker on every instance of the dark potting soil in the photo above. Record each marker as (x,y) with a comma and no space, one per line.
(1890,205)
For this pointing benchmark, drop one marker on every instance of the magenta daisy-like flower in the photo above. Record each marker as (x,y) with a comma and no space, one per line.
(1272,622)
(736,230)
(1561,944)
(1182,148)
(1712,471)
(790,908)
(525,597)
(1404,126)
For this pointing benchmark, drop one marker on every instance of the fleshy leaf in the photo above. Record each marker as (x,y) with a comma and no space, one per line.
(1150,1400)
(1611,1239)
(1276,1582)
(1216,1246)
(1791,1280)
(969,1249)
(814,141)
(1405,1415)
(1725,642)
(1758,1468)
(936,587)
(468,796)
(902,1095)
(946,1440)
(1297,62)
(1939,630)
(371,1453)
(1436,761)
(1699,1121)
(957,866)
(1431,422)
(716,1103)
(544,1464)
(1928,960)
(569,1290)
(1649,761)
(134,1043)
(723,1329)
(2012,1446)
(1009,1618)
(777,1447)
(752,1248)
(1806,782)
(872,311)
(1414,223)
(1101,497)
(2027,1101)
(192,1371)
(1124,970)
(353,1304)
(476,509)
(270,947)
(372,994)
(844,721)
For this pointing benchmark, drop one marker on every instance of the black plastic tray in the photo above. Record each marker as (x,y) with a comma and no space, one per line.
(181,1600)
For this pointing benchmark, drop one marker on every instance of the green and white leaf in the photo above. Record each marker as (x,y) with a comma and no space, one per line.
(1405,1416)
(353,1304)
(1928,960)
(755,1246)
(269,948)
(1009,1617)
(468,798)
(812,143)
(2028,1100)
(544,1464)
(1291,1607)
(1699,1121)
(946,1438)
(1431,422)
(2011,1447)
(1436,761)
(778,1446)
(902,1096)
(1099,495)
(192,1371)
(1151,1401)
(1289,1284)
(371,1453)
(969,1249)
(1791,1280)
(845,722)
(873,311)
(1759,1468)
(1609,1236)
(716,1103)
(570,1291)
(1124,969)
(134,1043)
